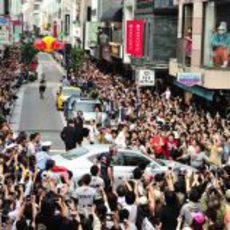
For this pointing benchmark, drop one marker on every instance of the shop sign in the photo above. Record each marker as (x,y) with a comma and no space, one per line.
(4,37)
(4,21)
(4,31)
(134,37)
(190,79)
(145,77)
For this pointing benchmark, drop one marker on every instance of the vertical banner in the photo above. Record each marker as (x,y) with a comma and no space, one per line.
(129,37)
(134,37)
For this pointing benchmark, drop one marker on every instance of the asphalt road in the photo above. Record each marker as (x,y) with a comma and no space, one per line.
(32,114)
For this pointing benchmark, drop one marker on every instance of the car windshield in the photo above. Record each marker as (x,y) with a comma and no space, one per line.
(73,154)
(68,92)
(87,107)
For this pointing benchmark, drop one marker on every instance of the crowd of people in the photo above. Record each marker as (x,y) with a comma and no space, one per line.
(35,193)
(9,75)
(158,124)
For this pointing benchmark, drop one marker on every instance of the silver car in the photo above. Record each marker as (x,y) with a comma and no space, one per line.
(80,160)
(87,107)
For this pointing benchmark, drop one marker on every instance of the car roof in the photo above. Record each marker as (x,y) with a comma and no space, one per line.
(94,150)
(88,100)
(71,87)
(101,148)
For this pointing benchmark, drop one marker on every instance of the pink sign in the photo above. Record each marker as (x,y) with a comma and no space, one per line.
(134,37)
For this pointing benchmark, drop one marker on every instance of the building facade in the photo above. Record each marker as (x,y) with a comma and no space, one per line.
(202,64)
(159,35)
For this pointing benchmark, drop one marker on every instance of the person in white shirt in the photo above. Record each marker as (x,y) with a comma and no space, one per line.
(131,206)
(167,94)
(96,181)
(120,141)
(93,131)
(85,195)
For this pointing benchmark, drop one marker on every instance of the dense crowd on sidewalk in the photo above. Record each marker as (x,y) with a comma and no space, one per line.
(35,193)
(9,74)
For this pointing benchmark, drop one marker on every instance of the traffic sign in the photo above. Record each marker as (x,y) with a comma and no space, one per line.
(145,77)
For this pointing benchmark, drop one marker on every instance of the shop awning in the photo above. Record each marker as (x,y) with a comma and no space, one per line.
(112,15)
(202,92)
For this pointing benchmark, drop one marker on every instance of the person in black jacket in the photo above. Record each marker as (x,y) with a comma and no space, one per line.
(69,135)
(80,131)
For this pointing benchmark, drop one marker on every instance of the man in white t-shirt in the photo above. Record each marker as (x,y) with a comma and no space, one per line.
(96,181)
(85,195)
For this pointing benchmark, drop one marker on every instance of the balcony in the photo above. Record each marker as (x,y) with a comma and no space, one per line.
(213,78)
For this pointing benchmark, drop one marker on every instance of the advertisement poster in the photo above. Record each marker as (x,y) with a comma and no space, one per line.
(134,37)
(190,79)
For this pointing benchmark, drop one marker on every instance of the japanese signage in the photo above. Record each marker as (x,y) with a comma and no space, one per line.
(134,37)
(145,77)
(4,31)
(190,79)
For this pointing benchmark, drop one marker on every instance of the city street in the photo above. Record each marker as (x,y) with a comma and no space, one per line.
(32,114)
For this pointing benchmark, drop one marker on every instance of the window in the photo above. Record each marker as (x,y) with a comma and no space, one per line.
(216,47)
(133,159)
(88,107)
(186,43)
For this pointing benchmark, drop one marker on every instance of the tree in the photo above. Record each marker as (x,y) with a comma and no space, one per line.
(28,53)
(76,59)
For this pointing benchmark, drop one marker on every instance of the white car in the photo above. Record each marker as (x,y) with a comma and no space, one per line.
(80,160)
(87,107)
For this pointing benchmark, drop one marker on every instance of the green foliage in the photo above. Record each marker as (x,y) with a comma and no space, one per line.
(76,58)
(28,53)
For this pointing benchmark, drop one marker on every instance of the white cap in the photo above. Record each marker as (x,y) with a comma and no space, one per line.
(46,144)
